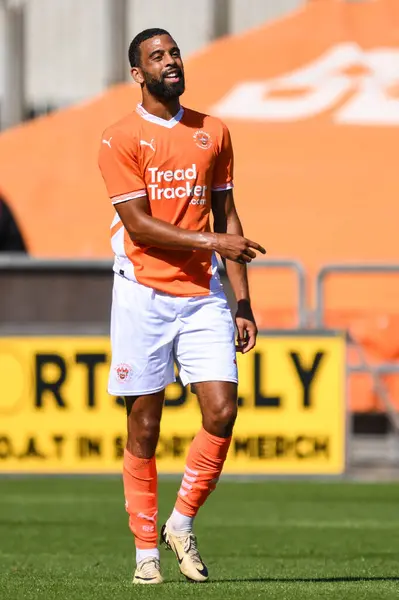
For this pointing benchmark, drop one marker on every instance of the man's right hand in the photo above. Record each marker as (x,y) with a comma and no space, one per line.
(236,248)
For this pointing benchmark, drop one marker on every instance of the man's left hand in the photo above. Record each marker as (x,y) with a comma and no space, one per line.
(246,327)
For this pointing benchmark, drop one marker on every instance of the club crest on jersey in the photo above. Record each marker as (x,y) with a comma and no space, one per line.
(202,139)
(123,372)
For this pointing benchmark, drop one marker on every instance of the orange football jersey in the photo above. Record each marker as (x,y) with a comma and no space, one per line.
(176,164)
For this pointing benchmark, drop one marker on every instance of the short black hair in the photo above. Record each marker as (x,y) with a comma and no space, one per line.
(134,48)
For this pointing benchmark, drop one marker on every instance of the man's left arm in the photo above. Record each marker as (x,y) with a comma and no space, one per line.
(226,220)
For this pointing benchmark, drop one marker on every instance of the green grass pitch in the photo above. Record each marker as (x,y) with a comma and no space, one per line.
(67,538)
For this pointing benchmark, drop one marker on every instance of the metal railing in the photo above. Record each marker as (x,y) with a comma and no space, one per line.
(332,269)
(299,271)
(21,263)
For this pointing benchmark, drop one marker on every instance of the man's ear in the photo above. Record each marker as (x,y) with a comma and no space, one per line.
(137,75)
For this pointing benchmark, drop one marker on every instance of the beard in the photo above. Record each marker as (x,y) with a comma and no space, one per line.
(160,88)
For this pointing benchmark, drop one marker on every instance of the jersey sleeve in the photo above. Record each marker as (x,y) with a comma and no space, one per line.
(119,167)
(223,171)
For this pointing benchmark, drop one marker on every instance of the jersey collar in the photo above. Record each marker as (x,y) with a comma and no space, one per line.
(157,120)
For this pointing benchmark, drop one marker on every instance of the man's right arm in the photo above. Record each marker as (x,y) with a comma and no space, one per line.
(149,231)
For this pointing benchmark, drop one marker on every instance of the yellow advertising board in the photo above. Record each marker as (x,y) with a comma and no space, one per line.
(56,416)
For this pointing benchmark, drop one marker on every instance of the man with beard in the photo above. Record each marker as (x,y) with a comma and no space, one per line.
(165,168)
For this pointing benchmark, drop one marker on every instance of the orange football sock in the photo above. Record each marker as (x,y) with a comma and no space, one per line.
(140,486)
(204,465)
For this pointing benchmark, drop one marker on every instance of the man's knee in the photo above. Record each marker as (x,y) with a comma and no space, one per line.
(147,428)
(220,419)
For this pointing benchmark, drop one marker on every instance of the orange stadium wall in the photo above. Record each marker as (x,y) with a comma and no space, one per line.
(312,102)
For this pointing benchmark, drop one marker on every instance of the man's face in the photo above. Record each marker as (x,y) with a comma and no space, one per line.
(161,68)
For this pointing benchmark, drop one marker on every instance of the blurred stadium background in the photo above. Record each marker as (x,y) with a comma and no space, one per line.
(310,92)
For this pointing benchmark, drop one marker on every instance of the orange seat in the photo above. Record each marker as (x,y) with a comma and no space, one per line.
(377,332)
(375,338)
(380,335)
(361,397)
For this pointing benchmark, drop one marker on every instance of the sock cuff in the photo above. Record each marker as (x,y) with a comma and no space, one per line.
(142,553)
(214,440)
(134,463)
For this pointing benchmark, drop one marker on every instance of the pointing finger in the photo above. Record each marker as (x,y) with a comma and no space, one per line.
(257,246)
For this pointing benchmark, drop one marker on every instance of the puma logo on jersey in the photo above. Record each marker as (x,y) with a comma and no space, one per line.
(108,142)
(150,144)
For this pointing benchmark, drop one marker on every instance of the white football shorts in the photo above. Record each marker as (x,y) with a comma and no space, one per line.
(151,330)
